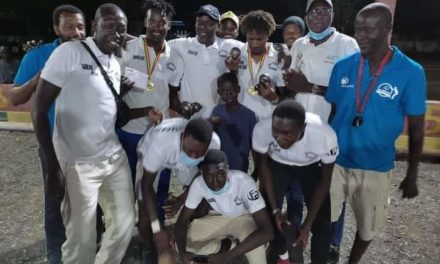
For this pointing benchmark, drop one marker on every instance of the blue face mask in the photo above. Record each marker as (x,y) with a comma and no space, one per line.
(320,36)
(224,189)
(188,161)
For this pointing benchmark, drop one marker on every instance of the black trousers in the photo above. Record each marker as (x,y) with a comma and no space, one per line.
(307,176)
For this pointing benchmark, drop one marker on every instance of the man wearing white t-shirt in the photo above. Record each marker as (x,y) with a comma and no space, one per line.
(239,212)
(176,144)
(295,146)
(314,55)
(258,57)
(203,59)
(90,165)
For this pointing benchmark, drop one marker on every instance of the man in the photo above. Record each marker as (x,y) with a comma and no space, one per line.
(293,29)
(202,58)
(295,146)
(373,91)
(176,144)
(258,58)
(68,24)
(90,165)
(229,24)
(314,56)
(238,211)
(8,64)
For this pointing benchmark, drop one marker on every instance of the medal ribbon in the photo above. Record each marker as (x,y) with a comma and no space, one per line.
(360,106)
(150,68)
(250,64)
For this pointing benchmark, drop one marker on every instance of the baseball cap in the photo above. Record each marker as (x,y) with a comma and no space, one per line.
(310,2)
(210,11)
(230,15)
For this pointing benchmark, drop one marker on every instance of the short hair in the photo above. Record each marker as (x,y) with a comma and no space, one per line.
(292,110)
(65,9)
(228,77)
(258,20)
(215,156)
(166,7)
(379,10)
(199,129)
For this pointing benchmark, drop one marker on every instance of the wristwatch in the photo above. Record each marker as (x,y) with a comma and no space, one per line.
(317,90)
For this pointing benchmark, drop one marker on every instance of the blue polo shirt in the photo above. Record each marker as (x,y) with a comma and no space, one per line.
(399,91)
(31,64)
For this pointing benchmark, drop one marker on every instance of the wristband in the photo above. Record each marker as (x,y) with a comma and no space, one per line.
(275,211)
(155,226)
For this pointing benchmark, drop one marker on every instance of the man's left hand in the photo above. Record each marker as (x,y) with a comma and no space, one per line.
(172,206)
(266,91)
(296,81)
(409,187)
(126,85)
(302,239)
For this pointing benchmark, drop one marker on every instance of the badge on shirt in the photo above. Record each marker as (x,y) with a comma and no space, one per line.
(253,195)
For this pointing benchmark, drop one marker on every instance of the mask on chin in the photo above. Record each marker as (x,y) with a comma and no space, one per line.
(188,161)
(321,35)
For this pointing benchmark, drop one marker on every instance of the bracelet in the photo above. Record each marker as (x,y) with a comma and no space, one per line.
(155,226)
(275,211)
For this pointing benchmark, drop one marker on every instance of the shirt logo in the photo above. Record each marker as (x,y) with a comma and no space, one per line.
(193,52)
(273,66)
(87,67)
(333,151)
(171,66)
(238,201)
(274,147)
(223,53)
(311,155)
(386,90)
(331,59)
(253,195)
(138,57)
(345,83)
(211,200)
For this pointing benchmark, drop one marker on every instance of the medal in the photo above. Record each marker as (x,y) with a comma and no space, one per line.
(150,68)
(357,121)
(252,91)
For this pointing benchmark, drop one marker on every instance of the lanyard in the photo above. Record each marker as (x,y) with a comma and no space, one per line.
(360,106)
(250,64)
(150,68)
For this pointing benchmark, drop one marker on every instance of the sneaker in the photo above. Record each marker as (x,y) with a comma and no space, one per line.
(333,256)
(283,261)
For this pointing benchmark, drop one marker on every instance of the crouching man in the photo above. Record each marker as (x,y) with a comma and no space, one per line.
(238,212)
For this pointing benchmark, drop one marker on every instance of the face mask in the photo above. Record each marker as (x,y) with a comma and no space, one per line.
(224,189)
(188,161)
(320,36)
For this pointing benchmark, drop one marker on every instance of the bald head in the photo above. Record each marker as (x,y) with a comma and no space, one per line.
(110,28)
(380,11)
(109,9)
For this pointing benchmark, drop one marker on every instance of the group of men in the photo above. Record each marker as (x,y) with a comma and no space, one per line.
(319,116)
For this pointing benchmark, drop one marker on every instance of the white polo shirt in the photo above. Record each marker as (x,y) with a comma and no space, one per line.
(160,148)
(201,67)
(319,143)
(240,197)
(262,107)
(316,63)
(85,108)
(165,72)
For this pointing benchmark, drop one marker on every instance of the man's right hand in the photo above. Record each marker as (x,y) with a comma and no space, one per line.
(281,220)
(55,183)
(155,116)
(232,63)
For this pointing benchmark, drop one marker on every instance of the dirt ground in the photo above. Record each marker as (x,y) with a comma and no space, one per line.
(412,234)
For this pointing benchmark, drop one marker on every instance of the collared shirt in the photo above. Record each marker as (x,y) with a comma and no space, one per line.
(201,67)
(32,62)
(399,91)
(165,72)
(241,195)
(318,143)
(316,63)
(85,107)
(261,107)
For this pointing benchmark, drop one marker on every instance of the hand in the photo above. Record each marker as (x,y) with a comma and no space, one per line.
(296,81)
(154,115)
(409,187)
(215,120)
(126,85)
(219,258)
(172,206)
(55,182)
(187,257)
(281,220)
(162,241)
(266,91)
(166,257)
(283,55)
(232,63)
(302,239)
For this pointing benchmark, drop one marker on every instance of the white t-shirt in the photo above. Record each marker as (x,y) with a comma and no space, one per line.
(319,143)
(261,107)
(316,63)
(85,108)
(160,148)
(165,72)
(241,196)
(201,67)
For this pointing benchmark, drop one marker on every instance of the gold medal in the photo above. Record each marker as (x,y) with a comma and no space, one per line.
(252,91)
(150,86)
